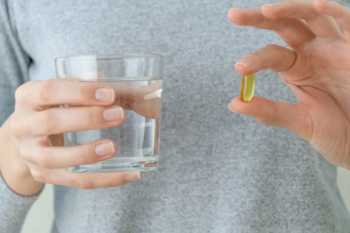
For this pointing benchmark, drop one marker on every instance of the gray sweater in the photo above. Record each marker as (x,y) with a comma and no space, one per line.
(220,172)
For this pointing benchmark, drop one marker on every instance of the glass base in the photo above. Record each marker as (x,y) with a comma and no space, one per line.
(120,164)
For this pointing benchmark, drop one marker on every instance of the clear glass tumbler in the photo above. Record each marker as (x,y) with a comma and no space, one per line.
(137,81)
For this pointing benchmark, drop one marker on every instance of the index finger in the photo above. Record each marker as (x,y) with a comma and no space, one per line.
(41,94)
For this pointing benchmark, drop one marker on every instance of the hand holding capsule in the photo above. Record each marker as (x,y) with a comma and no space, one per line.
(316,67)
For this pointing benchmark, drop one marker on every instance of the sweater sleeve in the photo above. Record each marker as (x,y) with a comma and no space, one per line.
(13,208)
(14,64)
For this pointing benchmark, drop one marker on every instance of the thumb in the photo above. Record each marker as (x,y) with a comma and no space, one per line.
(294,117)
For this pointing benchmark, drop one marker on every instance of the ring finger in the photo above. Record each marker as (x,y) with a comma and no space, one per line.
(293,31)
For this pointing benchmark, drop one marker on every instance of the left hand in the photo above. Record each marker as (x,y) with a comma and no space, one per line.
(316,67)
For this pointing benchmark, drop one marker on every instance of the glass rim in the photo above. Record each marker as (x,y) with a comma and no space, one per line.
(59,61)
(111,57)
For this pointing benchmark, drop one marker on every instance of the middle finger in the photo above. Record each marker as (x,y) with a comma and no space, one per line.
(293,31)
(321,25)
(61,120)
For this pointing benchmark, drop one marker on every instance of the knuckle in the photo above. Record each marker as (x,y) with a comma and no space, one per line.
(71,181)
(23,152)
(254,58)
(85,92)
(121,182)
(48,121)
(94,116)
(38,175)
(83,155)
(43,161)
(87,155)
(112,184)
(15,127)
(21,92)
(132,177)
(46,88)
(86,184)
(308,126)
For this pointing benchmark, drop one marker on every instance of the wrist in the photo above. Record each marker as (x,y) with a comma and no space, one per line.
(20,182)
(14,171)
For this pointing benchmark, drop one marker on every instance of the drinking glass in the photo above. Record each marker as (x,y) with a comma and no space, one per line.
(137,81)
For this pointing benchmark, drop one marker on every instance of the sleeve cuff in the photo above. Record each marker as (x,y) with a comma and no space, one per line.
(13,207)
(5,188)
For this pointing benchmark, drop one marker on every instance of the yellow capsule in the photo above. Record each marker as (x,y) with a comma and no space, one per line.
(247,88)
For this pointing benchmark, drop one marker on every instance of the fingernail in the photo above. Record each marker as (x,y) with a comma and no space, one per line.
(113,114)
(229,106)
(321,5)
(231,11)
(133,177)
(266,10)
(241,65)
(104,94)
(104,149)
(268,5)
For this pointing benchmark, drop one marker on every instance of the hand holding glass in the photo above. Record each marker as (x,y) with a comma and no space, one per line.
(137,82)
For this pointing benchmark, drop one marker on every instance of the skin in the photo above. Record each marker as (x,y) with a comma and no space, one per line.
(138,99)
(315,66)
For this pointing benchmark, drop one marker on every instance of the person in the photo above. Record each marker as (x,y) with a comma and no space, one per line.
(220,172)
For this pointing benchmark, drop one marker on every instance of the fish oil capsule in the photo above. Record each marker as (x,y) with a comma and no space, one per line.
(247,88)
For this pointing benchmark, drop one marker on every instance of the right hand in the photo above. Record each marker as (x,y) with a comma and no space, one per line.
(34,132)
(316,67)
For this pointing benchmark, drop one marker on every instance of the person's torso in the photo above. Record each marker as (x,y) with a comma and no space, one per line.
(220,172)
